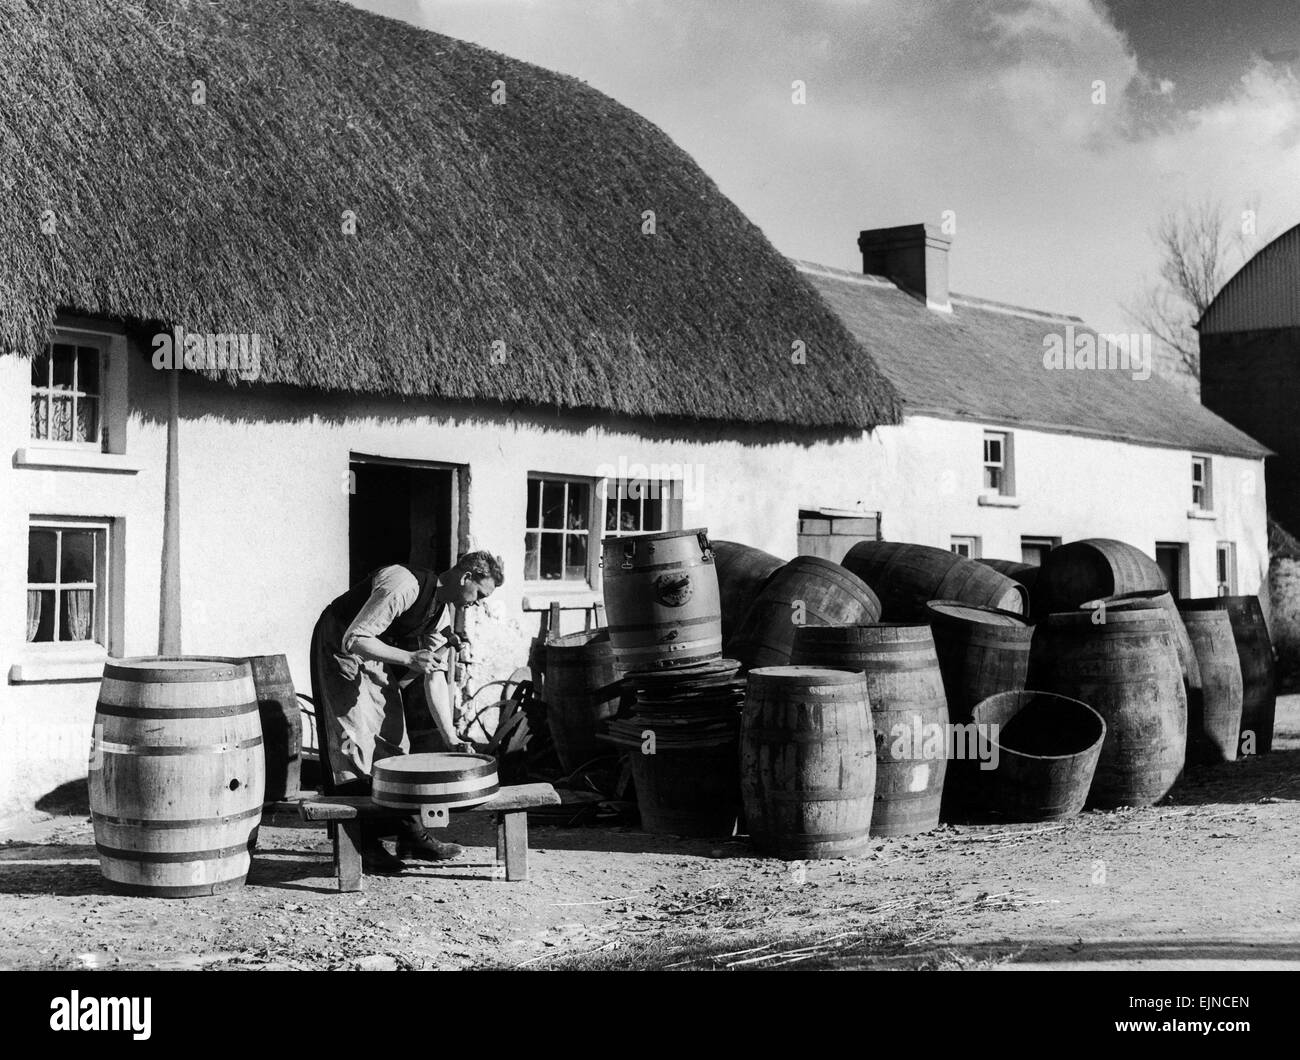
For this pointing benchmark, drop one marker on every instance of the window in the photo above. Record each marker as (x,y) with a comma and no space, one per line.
(66,397)
(1225,568)
(1202,499)
(641,506)
(997,463)
(558,532)
(1034,550)
(969,547)
(67,565)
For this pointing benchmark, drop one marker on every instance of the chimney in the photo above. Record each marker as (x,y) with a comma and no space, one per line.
(915,257)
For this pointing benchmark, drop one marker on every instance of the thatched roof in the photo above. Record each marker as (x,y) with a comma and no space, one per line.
(476,222)
(984,362)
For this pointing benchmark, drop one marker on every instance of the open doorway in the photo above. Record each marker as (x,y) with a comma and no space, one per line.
(1171,558)
(402,512)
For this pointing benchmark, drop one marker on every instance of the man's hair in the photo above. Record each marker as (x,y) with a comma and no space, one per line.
(483,564)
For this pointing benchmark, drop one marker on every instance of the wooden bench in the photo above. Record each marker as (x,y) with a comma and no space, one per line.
(509,804)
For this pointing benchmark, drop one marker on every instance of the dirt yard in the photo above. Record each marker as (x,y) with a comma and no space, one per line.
(1208,879)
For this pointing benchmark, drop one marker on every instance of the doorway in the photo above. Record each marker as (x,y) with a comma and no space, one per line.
(1171,558)
(401,512)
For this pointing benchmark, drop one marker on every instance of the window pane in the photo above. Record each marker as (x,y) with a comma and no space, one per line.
(552,560)
(41,546)
(993,478)
(534,504)
(40,615)
(532,556)
(575,557)
(652,512)
(41,368)
(86,429)
(553,505)
(65,357)
(78,618)
(611,515)
(78,556)
(579,506)
(61,419)
(88,369)
(40,417)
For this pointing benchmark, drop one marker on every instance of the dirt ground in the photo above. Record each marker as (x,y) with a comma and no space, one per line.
(1208,879)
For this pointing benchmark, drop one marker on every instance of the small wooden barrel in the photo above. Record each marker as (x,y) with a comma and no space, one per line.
(1214,704)
(583,686)
(1255,656)
(1126,669)
(1163,599)
(807,761)
(689,790)
(906,577)
(277,704)
(176,775)
(1046,754)
(742,573)
(982,651)
(908,709)
(1090,569)
(806,591)
(661,596)
(446,779)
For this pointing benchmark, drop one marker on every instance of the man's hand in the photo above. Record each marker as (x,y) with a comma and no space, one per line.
(423,661)
(465,748)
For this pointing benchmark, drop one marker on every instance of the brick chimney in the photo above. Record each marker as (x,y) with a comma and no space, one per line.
(915,257)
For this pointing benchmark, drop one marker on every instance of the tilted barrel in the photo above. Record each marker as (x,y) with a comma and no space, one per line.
(1024,573)
(1255,655)
(583,686)
(1092,568)
(807,761)
(1163,599)
(742,573)
(1214,703)
(176,775)
(906,577)
(981,650)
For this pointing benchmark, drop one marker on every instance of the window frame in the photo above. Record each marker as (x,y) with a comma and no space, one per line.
(1206,485)
(670,497)
(1228,549)
(75,339)
(1046,541)
(1006,466)
(103,587)
(971,540)
(595,518)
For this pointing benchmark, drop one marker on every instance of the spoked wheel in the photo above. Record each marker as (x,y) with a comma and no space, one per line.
(486,723)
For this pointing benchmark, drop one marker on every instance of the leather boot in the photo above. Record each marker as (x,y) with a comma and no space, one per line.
(415,842)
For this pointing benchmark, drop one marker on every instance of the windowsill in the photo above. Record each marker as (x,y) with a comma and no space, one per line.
(998,500)
(1201,513)
(578,598)
(76,459)
(59,663)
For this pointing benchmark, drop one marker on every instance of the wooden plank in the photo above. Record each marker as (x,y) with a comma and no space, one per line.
(518,797)
(515,829)
(347,855)
(354,807)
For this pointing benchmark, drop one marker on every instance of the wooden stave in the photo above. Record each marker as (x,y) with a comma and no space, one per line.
(277,701)
(1214,706)
(583,690)
(1255,655)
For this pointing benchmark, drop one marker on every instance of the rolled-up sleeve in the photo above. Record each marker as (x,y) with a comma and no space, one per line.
(395,590)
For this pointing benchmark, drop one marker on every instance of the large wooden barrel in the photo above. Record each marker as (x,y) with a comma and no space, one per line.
(807,591)
(277,704)
(807,761)
(176,775)
(909,714)
(1214,703)
(1255,655)
(449,780)
(1093,568)
(688,790)
(583,686)
(907,577)
(1125,668)
(981,651)
(742,573)
(1024,573)
(1161,598)
(1047,749)
(661,597)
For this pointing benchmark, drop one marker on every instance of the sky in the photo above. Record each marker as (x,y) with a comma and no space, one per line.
(984,112)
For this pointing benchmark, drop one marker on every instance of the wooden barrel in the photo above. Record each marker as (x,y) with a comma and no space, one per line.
(1214,703)
(1161,598)
(807,591)
(277,704)
(807,761)
(444,779)
(689,791)
(1125,668)
(742,573)
(583,686)
(907,577)
(981,651)
(1046,754)
(1255,655)
(1090,569)
(176,775)
(661,597)
(908,712)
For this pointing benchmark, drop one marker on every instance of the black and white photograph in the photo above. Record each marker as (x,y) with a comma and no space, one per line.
(675,486)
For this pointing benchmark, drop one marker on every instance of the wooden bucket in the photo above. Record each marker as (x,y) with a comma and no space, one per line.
(176,775)
(661,596)
(906,577)
(1126,669)
(806,591)
(1214,704)
(1047,752)
(1163,599)
(450,780)
(1255,656)
(1090,569)
(277,704)
(807,761)
(583,689)
(909,714)
(742,573)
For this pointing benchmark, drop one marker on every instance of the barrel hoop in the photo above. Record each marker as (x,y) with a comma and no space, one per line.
(644,627)
(171,857)
(401,777)
(175,713)
(616,569)
(431,793)
(397,800)
(194,890)
(145,675)
(158,824)
(152,750)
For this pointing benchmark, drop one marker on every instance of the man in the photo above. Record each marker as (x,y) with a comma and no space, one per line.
(370,652)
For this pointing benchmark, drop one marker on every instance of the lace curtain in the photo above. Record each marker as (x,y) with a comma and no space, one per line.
(33,613)
(78,602)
